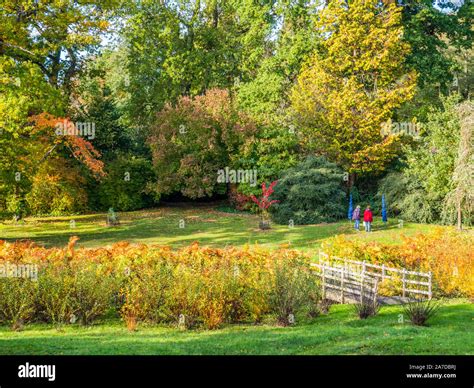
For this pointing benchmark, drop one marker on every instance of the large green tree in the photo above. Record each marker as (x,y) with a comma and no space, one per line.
(309,193)
(54,35)
(275,146)
(186,47)
(437,179)
(431,26)
(461,197)
(101,100)
(265,96)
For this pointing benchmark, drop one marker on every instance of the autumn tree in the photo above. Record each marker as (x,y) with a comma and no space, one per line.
(43,45)
(192,140)
(353,84)
(56,167)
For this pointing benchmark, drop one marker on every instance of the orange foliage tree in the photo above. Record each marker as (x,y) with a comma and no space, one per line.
(79,147)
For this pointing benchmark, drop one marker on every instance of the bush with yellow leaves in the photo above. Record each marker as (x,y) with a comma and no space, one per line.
(192,286)
(447,254)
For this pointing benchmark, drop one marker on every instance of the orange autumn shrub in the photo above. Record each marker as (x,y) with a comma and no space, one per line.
(191,286)
(447,254)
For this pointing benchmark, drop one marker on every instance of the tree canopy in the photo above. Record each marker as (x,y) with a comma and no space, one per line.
(176,91)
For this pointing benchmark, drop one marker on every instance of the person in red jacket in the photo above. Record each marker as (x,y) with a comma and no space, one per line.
(368,218)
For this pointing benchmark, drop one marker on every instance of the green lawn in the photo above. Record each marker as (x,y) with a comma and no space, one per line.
(205,224)
(339,332)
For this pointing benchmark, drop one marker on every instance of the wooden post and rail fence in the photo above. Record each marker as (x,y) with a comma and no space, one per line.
(351,280)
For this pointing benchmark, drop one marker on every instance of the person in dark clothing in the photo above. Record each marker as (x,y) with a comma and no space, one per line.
(356,217)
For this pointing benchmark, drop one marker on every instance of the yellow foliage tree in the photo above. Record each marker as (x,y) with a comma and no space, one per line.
(352,85)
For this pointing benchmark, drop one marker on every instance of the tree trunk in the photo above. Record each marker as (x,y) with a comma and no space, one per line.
(351,181)
(215,16)
(459,216)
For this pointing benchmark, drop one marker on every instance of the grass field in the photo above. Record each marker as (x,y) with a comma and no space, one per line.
(205,224)
(339,332)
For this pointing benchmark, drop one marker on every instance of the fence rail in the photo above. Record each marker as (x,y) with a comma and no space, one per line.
(382,272)
(344,285)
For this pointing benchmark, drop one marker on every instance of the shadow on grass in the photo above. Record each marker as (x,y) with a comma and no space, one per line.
(337,333)
(224,230)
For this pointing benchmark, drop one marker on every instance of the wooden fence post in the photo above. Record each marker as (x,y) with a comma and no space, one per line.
(362,288)
(375,290)
(403,281)
(342,285)
(383,272)
(324,281)
(430,293)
